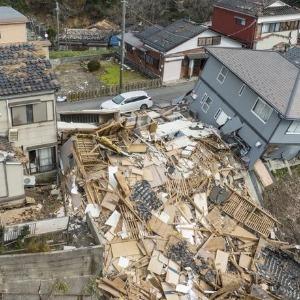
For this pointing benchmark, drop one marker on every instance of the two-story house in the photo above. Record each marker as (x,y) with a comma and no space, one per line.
(259,25)
(27,105)
(253,98)
(175,51)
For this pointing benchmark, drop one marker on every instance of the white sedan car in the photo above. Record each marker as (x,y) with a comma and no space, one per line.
(127,102)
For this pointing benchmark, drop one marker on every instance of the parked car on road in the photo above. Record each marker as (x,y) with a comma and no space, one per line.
(127,102)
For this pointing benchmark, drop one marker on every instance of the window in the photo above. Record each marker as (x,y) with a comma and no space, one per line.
(223,73)
(128,47)
(42,160)
(152,60)
(217,113)
(242,89)
(203,98)
(214,40)
(283,26)
(206,105)
(290,25)
(270,27)
(240,21)
(262,110)
(140,54)
(294,128)
(28,114)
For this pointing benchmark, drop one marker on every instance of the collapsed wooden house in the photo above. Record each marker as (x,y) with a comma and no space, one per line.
(176,212)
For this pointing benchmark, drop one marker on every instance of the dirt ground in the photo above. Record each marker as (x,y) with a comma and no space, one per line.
(282,199)
(73,77)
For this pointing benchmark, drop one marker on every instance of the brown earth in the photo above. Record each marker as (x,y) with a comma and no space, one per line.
(282,199)
(73,77)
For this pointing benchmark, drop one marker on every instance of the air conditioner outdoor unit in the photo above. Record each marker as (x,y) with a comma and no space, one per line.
(29,180)
(13,135)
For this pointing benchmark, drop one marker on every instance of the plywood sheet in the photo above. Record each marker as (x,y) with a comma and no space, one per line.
(221,261)
(125,249)
(262,173)
(245,261)
(109,201)
(155,265)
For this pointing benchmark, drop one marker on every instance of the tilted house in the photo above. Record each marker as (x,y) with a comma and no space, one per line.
(259,25)
(175,51)
(253,98)
(27,105)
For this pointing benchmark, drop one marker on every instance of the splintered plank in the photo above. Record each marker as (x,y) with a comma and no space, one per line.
(122,182)
(250,214)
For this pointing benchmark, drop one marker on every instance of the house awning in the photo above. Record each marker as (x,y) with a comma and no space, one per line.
(197,56)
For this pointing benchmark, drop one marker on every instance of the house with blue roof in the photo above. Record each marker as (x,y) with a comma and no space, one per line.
(175,51)
(253,98)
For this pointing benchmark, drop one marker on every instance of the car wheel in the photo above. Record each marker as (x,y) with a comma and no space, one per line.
(144,106)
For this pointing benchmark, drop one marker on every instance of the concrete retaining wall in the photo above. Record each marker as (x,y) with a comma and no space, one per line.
(34,274)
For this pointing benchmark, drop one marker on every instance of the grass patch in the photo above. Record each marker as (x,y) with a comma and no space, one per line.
(110,74)
(70,53)
(280,173)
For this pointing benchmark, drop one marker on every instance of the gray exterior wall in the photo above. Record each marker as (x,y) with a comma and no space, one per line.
(281,137)
(225,96)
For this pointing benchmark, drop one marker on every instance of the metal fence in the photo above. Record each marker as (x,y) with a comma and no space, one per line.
(113,90)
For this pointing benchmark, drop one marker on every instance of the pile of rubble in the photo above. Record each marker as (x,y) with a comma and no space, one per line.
(177,213)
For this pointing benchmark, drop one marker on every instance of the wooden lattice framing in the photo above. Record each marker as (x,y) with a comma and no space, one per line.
(250,214)
(176,189)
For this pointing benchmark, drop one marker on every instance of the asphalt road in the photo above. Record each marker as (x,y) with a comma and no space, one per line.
(160,96)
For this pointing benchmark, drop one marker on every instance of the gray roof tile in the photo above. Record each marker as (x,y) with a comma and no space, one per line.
(167,38)
(268,73)
(256,8)
(10,15)
(24,69)
(293,55)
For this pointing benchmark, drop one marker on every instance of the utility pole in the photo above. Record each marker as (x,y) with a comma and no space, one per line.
(122,44)
(57,26)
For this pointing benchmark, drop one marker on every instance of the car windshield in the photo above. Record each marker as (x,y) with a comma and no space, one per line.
(118,99)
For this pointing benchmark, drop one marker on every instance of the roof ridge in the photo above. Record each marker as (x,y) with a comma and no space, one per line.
(292,97)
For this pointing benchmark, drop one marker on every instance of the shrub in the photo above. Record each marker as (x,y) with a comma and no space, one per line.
(93,65)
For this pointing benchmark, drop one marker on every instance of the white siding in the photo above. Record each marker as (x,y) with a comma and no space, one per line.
(172,70)
(15,179)
(3,189)
(269,40)
(193,43)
